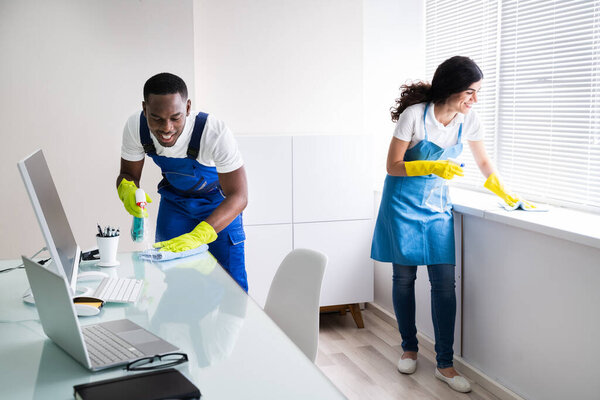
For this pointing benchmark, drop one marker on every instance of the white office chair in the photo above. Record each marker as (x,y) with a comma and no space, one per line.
(293,299)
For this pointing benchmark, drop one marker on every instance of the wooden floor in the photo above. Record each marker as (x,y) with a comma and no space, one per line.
(362,362)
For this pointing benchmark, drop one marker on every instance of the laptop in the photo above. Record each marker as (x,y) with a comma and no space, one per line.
(96,346)
(59,237)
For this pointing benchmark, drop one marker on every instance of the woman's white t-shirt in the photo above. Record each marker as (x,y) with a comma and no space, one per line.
(410,127)
(218,147)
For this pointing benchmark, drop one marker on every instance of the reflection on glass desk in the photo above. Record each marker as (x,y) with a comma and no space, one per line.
(234,349)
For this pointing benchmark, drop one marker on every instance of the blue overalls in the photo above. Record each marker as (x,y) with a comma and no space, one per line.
(189,193)
(408,232)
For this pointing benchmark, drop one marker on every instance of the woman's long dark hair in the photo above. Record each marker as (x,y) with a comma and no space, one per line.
(452,76)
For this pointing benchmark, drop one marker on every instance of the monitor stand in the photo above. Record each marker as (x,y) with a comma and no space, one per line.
(91,276)
(28,296)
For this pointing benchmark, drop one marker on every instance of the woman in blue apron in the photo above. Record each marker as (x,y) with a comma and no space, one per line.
(415,224)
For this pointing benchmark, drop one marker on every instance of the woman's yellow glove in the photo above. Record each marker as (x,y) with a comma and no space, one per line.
(494,185)
(203,233)
(126,191)
(444,169)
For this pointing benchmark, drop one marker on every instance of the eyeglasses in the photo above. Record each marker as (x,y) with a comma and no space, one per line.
(162,361)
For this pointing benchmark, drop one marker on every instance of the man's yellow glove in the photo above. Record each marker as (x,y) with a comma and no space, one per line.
(494,185)
(203,233)
(126,192)
(444,169)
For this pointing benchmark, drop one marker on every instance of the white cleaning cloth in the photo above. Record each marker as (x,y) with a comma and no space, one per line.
(520,205)
(157,255)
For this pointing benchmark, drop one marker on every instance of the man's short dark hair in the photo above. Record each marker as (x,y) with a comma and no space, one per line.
(165,83)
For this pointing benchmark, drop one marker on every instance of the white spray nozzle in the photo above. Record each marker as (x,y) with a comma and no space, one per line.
(455,161)
(140,198)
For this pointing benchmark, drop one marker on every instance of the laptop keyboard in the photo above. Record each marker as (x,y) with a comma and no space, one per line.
(104,347)
(119,290)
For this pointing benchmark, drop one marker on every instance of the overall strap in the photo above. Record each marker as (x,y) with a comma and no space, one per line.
(145,136)
(459,133)
(194,146)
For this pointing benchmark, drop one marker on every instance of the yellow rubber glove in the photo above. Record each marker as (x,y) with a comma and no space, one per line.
(494,185)
(126,191)
(444,169)
(203,233)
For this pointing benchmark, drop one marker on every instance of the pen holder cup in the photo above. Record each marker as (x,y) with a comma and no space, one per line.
(107,246)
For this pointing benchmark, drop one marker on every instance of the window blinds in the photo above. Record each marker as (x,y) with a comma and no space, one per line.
(548,109)
(540,101)
(467,28)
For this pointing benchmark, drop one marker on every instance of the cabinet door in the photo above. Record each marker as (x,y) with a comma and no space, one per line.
(268,163)
(266,246)
(349,273)
(333,178)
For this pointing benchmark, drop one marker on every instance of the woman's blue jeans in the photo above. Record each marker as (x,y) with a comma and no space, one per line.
(443,308)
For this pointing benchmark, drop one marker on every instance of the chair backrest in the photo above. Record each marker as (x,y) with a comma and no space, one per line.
(293,299)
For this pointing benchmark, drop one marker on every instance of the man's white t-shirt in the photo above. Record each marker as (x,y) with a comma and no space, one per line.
(410,127)
(218,147)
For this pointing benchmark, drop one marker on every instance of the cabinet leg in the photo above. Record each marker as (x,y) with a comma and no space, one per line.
(357,315)
(354,310)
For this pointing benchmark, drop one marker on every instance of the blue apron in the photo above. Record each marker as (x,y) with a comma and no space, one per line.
(407,231)
(189,193)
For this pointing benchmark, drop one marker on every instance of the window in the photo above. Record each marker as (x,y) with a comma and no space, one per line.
(540,102)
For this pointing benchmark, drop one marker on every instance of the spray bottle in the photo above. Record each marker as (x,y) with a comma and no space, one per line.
(137,227)
(439,198)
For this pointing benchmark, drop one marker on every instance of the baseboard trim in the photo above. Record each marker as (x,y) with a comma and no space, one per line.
(461,365)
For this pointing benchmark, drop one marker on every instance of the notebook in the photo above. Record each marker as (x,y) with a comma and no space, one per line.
(155,385)
(98,346)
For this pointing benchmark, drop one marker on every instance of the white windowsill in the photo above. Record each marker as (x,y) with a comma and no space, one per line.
(576,226)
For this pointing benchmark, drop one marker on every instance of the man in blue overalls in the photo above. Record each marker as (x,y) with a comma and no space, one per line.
(203,190)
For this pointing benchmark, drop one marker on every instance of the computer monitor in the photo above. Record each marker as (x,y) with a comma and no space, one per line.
(51,216)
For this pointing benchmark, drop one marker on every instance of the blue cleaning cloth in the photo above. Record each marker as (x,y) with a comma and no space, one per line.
(157,255)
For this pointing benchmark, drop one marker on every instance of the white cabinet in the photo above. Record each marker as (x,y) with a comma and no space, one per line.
(348,277)
(268,164)
(332,178)
(311,192)
(266,246)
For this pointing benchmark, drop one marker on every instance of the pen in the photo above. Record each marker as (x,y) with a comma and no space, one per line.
(108,231)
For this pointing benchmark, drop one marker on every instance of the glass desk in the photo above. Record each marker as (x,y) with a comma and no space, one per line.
(235,350)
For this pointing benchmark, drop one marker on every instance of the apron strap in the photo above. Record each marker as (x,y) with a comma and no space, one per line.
(424,122)
(425,126)
(194,146)
(145,136)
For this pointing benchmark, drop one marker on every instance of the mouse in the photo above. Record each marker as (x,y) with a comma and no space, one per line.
(83,310)
(87,306)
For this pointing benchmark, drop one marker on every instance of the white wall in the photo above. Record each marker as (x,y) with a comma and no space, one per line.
(280,67)
(72,71)
(394,46)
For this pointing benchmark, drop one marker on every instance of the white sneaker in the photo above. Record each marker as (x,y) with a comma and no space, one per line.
(407,366)
(458,383)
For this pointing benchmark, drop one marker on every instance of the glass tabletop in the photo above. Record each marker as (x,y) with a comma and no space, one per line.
(234,349)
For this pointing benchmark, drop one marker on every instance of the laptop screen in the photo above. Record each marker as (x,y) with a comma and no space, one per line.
(51,215)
